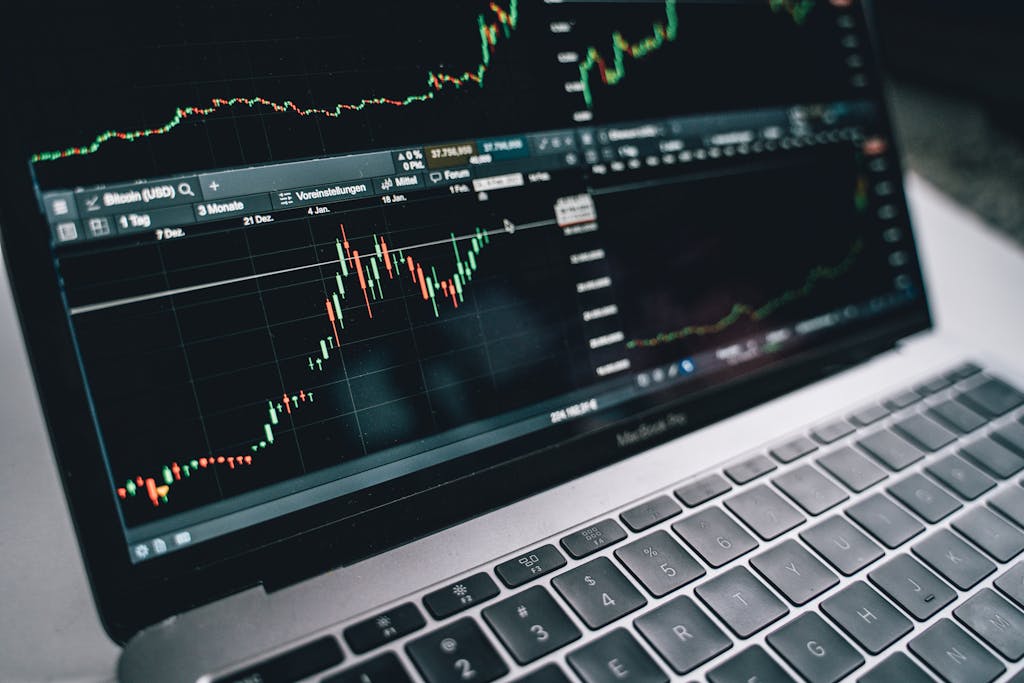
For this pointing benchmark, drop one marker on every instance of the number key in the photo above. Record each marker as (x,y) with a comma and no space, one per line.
(598,592)
(530,624)
(715,536)
(659,563)
(456,653)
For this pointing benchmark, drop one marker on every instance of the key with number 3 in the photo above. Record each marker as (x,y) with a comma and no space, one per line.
(530,624)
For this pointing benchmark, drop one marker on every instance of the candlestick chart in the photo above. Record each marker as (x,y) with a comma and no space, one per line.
(383,328)
(474,75)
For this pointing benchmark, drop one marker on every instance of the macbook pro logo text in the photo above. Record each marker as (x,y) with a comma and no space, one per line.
(650,430)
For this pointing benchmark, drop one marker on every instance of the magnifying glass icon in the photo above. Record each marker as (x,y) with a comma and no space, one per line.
(186,190)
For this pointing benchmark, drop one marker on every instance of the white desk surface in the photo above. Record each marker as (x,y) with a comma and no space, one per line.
(48,625)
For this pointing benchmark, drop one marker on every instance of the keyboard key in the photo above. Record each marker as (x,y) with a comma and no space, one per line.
(868,415)
(852,469)
(892,451)
(902,400)
(924,433)
(1011,436)
(460,595)
(383,669)
(933,386)
(548,674)
(682,634)
(598,592)
(925,498)
(384,627)
(884,520)
(995,621)
(714,536)
(650,513)
(816,651)
(765,512)
(614,658)
(993,457)
(530,624)
(896,667)
(753,664)
(457,652)
(810,489)
(867,617)
(958,416)
(702,490)
(962,371)
(659,563)
(831,432)
(1011,504)
(990,533)
(794,572)
(842,545)
(741,601)
(750,469)
(293,665)
(586,541)
(1011,582)
(791,450)
(959,563)
(992,397)
(954,655)
(529,566)
(912,587)
(966,480)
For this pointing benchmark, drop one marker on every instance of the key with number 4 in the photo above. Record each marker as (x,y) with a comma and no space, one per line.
(598,592)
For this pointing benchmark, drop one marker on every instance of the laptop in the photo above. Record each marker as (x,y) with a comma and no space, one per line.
(563,341)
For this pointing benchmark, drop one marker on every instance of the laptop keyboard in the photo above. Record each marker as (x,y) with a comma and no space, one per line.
(831,556)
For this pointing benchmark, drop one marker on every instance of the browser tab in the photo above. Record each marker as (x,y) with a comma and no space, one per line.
(119,198)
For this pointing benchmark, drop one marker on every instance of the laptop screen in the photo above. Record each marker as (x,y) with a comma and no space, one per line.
(305,253)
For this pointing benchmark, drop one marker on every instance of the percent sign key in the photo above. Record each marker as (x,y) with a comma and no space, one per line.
(659,563)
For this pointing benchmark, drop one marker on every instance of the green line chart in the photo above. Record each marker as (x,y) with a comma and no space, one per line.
(492,34)
(741,311)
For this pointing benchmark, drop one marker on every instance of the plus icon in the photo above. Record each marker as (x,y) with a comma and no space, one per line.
(214,185)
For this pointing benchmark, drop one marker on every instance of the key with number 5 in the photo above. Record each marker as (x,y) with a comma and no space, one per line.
(659,563)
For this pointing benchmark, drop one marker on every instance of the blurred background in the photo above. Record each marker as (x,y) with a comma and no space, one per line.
(957,92)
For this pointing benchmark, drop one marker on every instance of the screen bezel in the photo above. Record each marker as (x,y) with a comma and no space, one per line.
(130,597)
